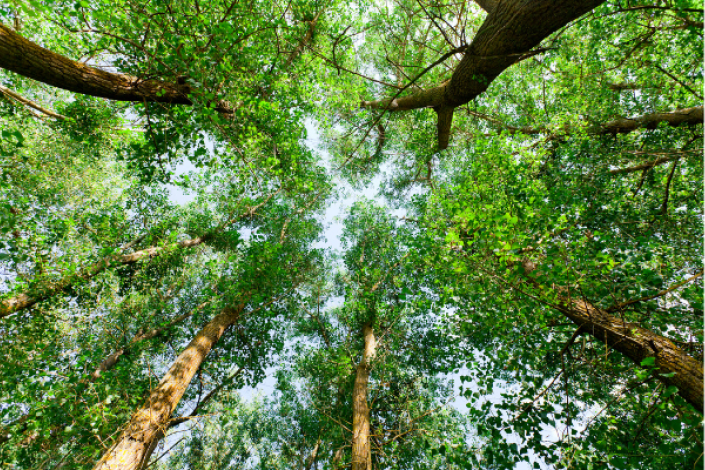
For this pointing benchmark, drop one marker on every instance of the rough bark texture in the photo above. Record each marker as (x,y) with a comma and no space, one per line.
(28,59)
(686,116)
(445,121)
(149,423)
(631,340)
(361,455)
(637,344)
(487,5)
(26,300)
(675,118)
(182,419)
(510,31)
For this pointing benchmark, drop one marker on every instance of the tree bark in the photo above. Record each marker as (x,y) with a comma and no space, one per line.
(512,28)
(637,344)
(149,423)
(675,118)
(361,455)
(108,363)
(487,5)
(182,419)
(685,116)
(30,60)
(633,341)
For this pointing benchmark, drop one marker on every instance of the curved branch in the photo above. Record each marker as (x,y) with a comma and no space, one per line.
(30,60)
(510,32)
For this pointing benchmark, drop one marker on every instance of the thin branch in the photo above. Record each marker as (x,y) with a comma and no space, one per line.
(664,205)
(651,297)
(31,104)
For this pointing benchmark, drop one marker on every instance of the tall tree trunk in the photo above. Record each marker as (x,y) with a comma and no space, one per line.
(148,424)
(182,419)
(28,59)
(361,455)
(637,344)
(633,341)
(510,31)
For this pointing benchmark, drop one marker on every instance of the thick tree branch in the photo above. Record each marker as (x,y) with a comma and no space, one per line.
(445,120)
(26,300)
(678,117)
(30,60)
(651,164)
(675,118)
(487,5)
(632,340)
(510,32)
(110,361)
(638,343)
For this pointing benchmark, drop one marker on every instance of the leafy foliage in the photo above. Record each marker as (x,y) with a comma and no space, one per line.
(130,225)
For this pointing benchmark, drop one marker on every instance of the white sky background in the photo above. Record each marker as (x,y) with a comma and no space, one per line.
(332,220)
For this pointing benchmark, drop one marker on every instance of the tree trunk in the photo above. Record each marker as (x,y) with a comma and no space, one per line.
(314,455)
(27,300)
(510,31)
(637,344)
(110,361)
(361,455)
(149,423)
(633,341)
(28,59)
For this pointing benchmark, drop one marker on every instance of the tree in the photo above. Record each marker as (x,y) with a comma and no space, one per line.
(375,376)
(548,255)
(508,35)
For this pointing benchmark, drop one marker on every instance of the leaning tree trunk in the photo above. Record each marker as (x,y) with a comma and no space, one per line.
(361,455)
(148,424)
(637,344)
(26,300)
(28,59)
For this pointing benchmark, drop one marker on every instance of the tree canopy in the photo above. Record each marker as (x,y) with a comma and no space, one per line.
(515,187)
